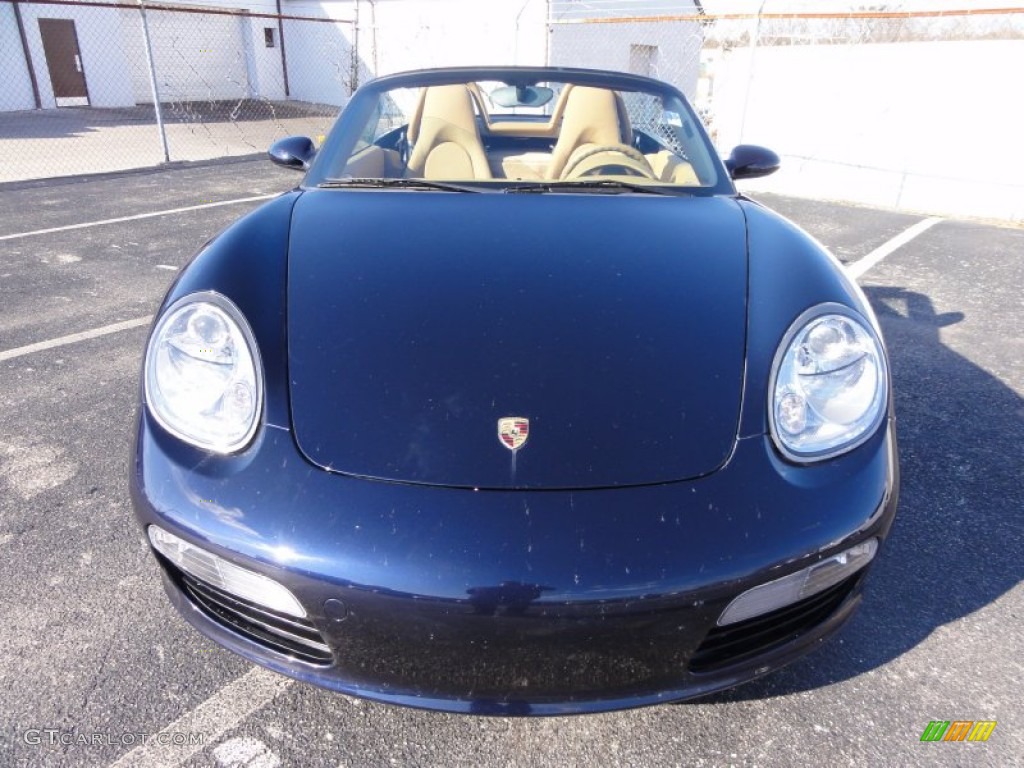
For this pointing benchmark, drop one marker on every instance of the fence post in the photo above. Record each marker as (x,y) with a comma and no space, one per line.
(548,31)
(28,56)
(284,58)
(152,84)
(354,79)
(750,69)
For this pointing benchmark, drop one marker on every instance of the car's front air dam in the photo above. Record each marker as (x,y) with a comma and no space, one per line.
(517,602)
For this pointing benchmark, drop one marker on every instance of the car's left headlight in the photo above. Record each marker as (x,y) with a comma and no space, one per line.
(203,378)
(829,385)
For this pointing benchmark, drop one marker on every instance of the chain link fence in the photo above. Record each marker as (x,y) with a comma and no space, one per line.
(901,105)
(868,101)
(92,86)
(683,42)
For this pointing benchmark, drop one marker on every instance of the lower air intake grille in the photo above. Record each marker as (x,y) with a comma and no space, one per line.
(285,634)
(739,642)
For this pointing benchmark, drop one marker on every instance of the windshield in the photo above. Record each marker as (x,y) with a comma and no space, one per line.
(519,132)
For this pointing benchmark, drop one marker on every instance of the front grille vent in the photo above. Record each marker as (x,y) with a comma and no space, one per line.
(288,635)
(742,641)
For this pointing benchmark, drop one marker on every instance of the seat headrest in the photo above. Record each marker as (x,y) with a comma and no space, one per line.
(452,104)
(596,116)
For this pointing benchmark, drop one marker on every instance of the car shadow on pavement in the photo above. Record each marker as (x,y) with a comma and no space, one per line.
(955,546)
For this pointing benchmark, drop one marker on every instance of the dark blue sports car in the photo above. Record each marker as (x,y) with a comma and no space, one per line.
(515,406)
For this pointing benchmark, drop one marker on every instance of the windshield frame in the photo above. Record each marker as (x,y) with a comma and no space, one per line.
(353,118)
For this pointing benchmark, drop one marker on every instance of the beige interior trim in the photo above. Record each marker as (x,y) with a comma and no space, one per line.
(374,162)
(480,100)
(494,125)
(412,133)
(526,130)
(520,166)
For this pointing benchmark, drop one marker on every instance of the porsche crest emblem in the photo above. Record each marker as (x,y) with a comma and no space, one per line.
(513,432)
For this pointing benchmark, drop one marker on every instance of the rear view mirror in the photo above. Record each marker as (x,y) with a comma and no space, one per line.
(521,96)
(295,152)
(749,161)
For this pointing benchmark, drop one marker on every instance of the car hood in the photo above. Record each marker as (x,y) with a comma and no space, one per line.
(614,324)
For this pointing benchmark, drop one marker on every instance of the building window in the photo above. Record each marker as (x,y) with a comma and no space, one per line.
(643,60)
(268,37)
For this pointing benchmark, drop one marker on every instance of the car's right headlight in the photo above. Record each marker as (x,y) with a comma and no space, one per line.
(829,385)
(203,378)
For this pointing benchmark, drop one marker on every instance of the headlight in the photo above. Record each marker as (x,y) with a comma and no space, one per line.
(203,378)
(829,385)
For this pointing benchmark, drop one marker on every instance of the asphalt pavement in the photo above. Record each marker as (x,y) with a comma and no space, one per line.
(94,662)
(43,143)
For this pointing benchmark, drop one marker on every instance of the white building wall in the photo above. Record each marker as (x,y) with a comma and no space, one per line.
(399,35)
(412,34)
(266,77)
(320,54)
(585,34)
(610,46)
(926,126)
(200,57)
(17,88)
(195,57)
(213,57)
(107,70)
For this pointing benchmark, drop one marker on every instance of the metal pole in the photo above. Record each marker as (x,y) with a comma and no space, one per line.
(284,59)
(152,84)
(354,81)
(515,38)
(750,70)
(28,56)
(373,37)
(547,34)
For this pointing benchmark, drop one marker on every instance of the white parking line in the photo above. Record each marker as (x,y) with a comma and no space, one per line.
(137,216)
(7,354)
(858,268)
(218,714)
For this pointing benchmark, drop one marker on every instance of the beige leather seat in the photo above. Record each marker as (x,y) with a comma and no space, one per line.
(444,137)
(592,117)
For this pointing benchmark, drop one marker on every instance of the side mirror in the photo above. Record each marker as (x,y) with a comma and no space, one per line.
(749,161)
(295,152)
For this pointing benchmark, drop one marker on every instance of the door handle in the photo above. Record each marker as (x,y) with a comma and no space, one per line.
(78,63)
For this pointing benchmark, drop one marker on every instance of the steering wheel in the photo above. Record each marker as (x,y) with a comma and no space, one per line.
(607,160)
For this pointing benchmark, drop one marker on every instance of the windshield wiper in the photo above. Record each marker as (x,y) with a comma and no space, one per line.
(612,186)
(369,183)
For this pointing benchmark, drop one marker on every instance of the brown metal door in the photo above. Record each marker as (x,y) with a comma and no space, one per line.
(64,60)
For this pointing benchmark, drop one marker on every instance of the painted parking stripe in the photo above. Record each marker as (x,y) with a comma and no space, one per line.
(137,216)
(39,346)
(213,718)
(858,268)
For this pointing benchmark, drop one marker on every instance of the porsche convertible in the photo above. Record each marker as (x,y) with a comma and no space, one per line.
(514,405)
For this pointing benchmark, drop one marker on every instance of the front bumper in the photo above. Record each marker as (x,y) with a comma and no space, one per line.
(520,602)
